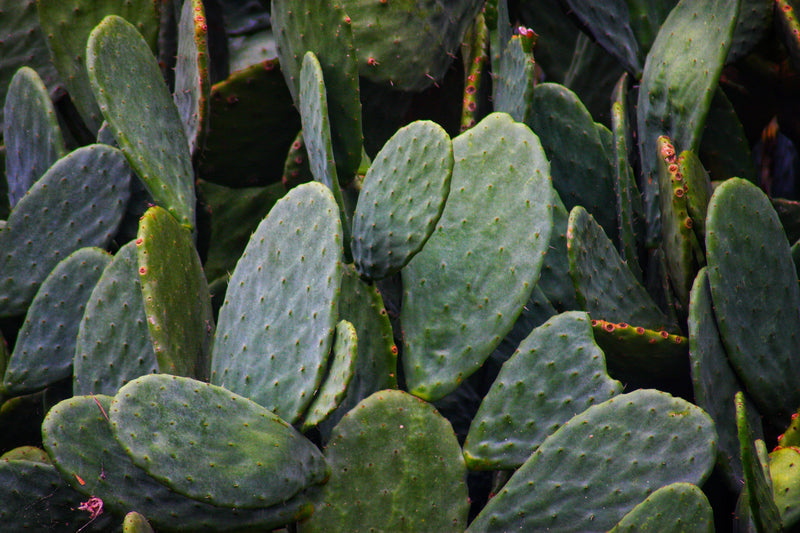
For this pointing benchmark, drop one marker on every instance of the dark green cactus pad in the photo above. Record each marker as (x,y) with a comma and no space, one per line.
(26,453)
(135,101)
(136,523)
(535,312)
(33,497)
(275,328)
(313,106)
(715,383)
(31,133)
(296,169)
(641,356)
(22,44)
(676,508)
(326,30)
(788,25)
(646,17)
(556,371)
(67,26)
(402,197)
(682,250)
(78,437)
(396,466)
(604,285)
(113,343)
(235,215)
(583,173)
(45,344)
(784,468)
(555,281)
(763,509)
(340,374)
(192,84)
(251,105)
(411,43)
(680,75)
(609,24)
(251,458)
(753,284)
(376,363)
(602,463)
(176,298)
(516,76)
(79,202)
(724,148)
(629,201)
(465,289)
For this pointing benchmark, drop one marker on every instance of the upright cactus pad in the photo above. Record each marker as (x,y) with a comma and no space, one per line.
(556,371)
(176,297)
(79,202)
(276,326)
(602,463)
(604,285)
(754,287)
(401,199)
(464,290)
(46,342)
(396,466)
(192,83)
(133,98)
(250,457)
(516,79)
(31,133)
(325,29)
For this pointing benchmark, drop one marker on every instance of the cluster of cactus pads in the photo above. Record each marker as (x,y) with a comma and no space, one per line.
(399,265)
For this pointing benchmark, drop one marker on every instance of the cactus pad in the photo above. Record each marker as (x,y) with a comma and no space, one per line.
(250,457)
(676,508)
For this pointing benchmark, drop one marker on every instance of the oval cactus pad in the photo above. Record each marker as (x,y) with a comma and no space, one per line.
(396,466)
(211,444)
(469,283)
(136,103)
(276,326)
(402,198)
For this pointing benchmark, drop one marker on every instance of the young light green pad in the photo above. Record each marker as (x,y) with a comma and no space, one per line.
(275,328)
(211,444)
(176,297)
(753,287)
(133,98)
(79,439)
(676,508)
(78,202)
(477,270)
(401,199)
(45,343)
(396,466)
(338,378)
(557,370)
(602,463)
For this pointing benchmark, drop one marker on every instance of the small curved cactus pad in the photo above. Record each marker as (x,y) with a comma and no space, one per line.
(676,508)
(402,198)
(396,466)
(250,457)
(466,287)
(603,462)
(276,326)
